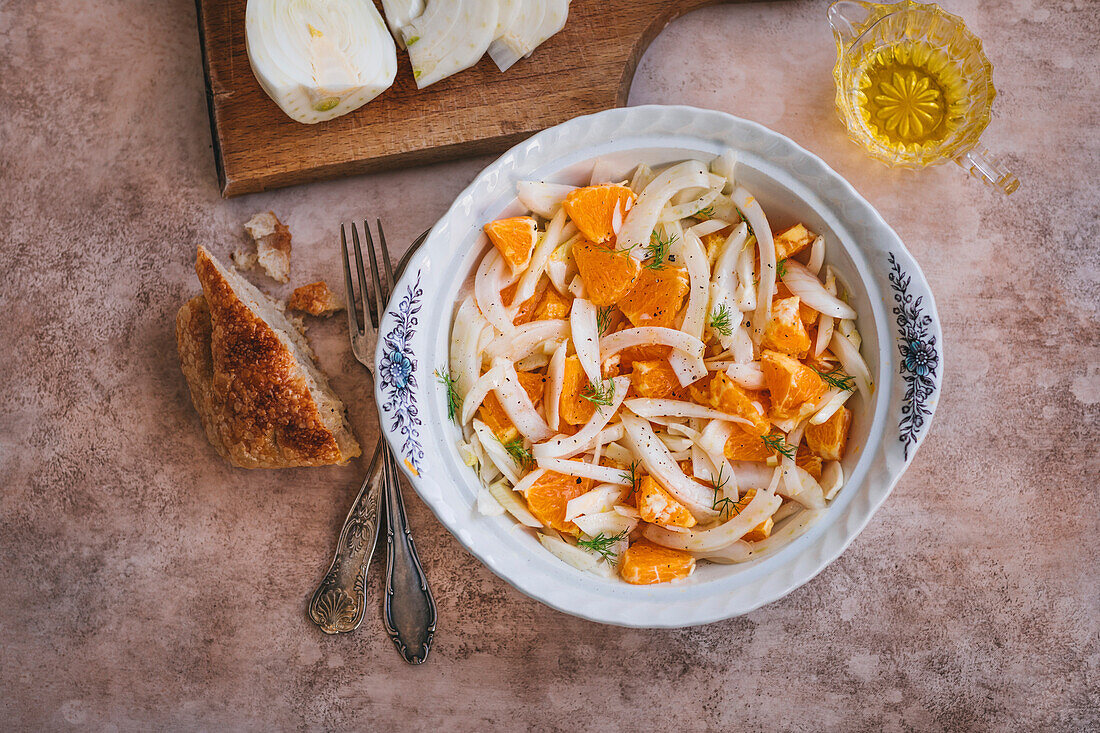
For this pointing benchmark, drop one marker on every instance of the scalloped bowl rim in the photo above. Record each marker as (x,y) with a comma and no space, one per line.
(448,487)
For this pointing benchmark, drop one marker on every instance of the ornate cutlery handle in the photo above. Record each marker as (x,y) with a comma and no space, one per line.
(409,607)
(339,602)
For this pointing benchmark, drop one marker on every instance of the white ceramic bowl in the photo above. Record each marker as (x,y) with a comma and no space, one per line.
(896,316)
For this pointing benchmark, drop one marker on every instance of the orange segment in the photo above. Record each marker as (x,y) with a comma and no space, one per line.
(791,384)
(830,437)
(657,296)
(809,463)
(616,321)
(534,385)
(805,312)
(760,531)
(655,379)
(785,331)
(552,306)
(657,506)
(712,241)
(761,398)
(547,497)
(792,240)
(745,446)
(566,429)
(605,461)
(527,308)
(634,354)
(824,362)
(514,238)
(645,563)
(608,275)
(722,393)
(492,412)
(592,209)
(574,408)
(493,415)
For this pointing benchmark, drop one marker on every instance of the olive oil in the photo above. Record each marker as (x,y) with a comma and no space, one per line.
(911,96)
(913,86)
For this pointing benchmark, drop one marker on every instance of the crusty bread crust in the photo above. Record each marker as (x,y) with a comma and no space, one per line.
(261,405)
(316,299)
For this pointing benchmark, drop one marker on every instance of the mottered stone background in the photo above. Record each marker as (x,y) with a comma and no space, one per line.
(146,585)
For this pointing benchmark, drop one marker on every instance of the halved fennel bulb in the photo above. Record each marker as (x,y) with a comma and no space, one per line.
(509,9)
(319,59)
(449,36)
(528,24)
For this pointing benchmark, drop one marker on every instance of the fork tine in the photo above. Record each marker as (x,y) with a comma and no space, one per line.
(349,290)
(381,295)
(373,313)
(385,257)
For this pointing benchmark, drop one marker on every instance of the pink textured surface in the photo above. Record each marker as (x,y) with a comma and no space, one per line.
(145,584)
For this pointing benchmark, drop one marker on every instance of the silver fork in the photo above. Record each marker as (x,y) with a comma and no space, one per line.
(338,604)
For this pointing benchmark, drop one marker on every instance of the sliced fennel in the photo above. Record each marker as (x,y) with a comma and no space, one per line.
(399,13)
(575,556)
(449,36)
(642,219)
(542,198)
(528,24)
(514,504)
(319,59)
(487,503)
(723,282)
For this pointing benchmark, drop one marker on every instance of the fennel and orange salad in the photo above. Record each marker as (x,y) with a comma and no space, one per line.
(646,375)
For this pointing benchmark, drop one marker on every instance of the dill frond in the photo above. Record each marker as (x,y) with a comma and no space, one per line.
(453,402)
(779,445)
(657,250)
(600,393)
(631,475)
(745,219)
(720,321)
(725,505)
(603,319)
(838,379)
(602,545)
(521,455)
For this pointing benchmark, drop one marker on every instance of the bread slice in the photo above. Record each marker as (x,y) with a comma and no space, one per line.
(262,400)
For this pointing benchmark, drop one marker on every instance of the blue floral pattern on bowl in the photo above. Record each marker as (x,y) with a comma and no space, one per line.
(919,358)
(397,375)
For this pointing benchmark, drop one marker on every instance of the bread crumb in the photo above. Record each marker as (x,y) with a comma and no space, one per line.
(243,259)
(272,239)
(316,299)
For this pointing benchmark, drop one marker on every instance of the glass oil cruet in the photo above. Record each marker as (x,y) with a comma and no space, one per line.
(914,87)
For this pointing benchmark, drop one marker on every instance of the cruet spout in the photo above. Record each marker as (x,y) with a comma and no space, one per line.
(847,18)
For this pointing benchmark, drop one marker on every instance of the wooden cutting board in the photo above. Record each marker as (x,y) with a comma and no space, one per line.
(586,67)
